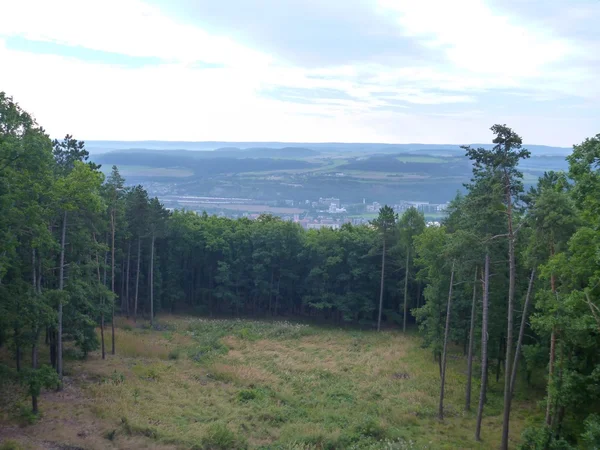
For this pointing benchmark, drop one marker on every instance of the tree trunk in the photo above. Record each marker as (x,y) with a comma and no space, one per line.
(52,339)
(277,293)
(548,419)
(127,278)
(484,349)
(552,357)
(34,404)
(18,349)
(152,281)
(112,280)
(471,338)
(137,279)
(61,285)
(499,358)
(36,329)
(406,289)
(445,351)
(102,345)
(122,287)
(381,286)
(271,293)
(513,375)
(510,318)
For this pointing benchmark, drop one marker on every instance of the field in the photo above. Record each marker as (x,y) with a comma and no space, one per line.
(226,384)
(250,208)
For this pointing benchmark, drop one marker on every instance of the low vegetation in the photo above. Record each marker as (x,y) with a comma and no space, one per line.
(252,384)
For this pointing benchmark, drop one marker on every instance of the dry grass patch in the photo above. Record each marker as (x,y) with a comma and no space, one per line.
(237,384)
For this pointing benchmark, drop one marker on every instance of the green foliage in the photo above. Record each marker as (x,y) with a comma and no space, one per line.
(9,444)
(220,437)
(37,379)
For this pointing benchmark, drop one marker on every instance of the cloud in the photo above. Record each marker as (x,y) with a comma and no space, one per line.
(473,37)
(300,70)
(128,27)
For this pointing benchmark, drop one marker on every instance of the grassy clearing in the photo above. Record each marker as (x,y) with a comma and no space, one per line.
(226,384)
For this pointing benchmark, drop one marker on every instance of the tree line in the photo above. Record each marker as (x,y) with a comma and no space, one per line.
(511,277)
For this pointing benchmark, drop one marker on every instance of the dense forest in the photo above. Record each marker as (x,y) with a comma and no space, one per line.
(511,277)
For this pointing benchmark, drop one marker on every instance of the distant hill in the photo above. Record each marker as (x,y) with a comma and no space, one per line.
(98,147)
(206,165)
(258,152)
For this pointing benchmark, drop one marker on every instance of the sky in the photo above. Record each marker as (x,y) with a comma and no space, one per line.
(397,71)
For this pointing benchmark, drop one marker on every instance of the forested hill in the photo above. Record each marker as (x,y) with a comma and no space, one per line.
(512,275)
(97,147)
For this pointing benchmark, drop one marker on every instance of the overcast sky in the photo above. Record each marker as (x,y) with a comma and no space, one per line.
(432,71)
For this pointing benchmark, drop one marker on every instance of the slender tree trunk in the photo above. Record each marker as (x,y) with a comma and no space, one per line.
(406,289)
(61,285)
(18,349)
(471,339)
(484,349)
(34,404)
(127,277)
(152,281)
(381,286)
(102,344)
(513,375)
(277,293)
(104,271)
(122,288)
(36,328)
(112,280)
(271,293)
(445,351)
(549,401)
(499,358)
(52,339)
(510,319)
(137,279)
(552,357)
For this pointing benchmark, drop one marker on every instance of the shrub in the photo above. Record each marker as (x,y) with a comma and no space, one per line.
(246,395)
(10,445)
(219,437)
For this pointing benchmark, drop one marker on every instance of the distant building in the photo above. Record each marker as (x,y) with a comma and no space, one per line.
(329,201)
(376,206)
(333,209)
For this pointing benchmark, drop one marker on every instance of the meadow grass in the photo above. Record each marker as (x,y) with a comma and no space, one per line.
(226,384)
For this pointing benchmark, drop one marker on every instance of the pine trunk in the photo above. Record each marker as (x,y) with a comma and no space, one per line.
(381,286)
(152,281)
(445,351)
(552,357)
(549,400)
(513,375)
(102,344)
(470,352)
(127,278)
(484,349)
(406,290)
(510,319)
(137,279)
(112,281)
(61,285)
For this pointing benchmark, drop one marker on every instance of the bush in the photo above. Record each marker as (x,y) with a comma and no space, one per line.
(174,354)
(247,395)
(10,445)
(542,438)
(219,437)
